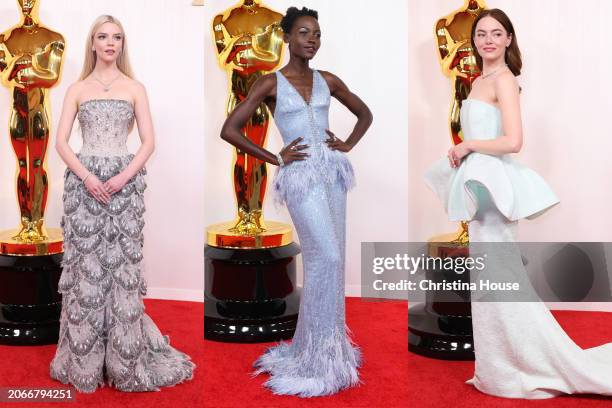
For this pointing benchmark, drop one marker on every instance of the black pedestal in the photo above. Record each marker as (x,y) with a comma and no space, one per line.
(445,335)
(442,327)
(30,304)
(250,294)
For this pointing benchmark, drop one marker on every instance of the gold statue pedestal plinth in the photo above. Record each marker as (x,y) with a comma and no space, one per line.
(30,304)
(275,234)
(250,291)
(52,244)
(441,327)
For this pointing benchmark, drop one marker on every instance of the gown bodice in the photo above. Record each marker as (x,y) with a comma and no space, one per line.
(105,125)
(294,117)
(480,120)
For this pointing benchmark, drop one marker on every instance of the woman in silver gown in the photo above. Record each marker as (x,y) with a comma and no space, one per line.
(312,180)
(103,327)
(521,351)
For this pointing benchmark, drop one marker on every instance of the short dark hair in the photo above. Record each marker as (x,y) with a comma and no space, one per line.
(293,13)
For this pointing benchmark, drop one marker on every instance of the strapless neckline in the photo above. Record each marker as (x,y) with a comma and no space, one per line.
(483,103)
(106,100)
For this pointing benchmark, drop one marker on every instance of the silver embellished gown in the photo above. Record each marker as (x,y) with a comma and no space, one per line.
(103,328)
(321,359)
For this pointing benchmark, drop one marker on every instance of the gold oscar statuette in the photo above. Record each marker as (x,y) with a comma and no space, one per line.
(456,58)
(30,64)
(249,44)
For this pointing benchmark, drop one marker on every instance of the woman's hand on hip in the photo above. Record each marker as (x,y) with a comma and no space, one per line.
(293,151)
(336,144)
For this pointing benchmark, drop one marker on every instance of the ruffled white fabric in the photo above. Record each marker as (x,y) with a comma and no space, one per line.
(517,191)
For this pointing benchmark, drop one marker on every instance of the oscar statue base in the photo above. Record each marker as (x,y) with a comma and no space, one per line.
(442,327)
(441,336)
(30,304)
(275,234)
(250,294)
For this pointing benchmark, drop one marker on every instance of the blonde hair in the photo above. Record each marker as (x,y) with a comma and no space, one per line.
(123,61)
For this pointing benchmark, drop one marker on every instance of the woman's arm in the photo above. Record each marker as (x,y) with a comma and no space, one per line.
(342,93)
(232,128)
(507,92)
(64,129)
(147,141)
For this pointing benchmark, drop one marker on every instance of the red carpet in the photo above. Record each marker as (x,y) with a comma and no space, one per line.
(391,376)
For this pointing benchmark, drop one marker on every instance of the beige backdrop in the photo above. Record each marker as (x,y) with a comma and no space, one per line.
(566,108)
(373,62)
(165,40)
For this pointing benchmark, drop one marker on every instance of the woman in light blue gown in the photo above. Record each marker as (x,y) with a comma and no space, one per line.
(313,177)
(521,351)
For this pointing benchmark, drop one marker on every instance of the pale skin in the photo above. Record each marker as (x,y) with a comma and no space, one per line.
(108,44)
(498,87)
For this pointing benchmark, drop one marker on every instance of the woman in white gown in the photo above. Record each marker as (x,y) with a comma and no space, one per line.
(521,351)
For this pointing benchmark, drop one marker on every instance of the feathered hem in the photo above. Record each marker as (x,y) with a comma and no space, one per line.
(318,368)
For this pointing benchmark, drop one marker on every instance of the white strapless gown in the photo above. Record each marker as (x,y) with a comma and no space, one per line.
(521,350)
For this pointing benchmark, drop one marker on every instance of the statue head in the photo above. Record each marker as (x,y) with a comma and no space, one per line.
(475,4)
(29,8)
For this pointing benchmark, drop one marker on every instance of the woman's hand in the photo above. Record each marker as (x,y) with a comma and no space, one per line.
(336,144)
(457,153)
(292,152)
(115,183)
(96,189)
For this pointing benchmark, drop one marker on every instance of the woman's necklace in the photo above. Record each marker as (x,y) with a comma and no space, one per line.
(484,76)
(107,86)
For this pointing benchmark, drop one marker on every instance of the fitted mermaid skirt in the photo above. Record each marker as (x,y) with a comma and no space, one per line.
(104,330)
(521,350)
(321,358)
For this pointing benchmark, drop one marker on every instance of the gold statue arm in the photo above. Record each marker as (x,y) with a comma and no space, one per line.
(2,54)
(442,38)
(267,47)
(448,61)
(447,48)
(225,44)
(46,66)
(8,73)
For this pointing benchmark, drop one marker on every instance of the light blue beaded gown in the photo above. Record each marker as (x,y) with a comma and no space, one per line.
(103,327)
(321,359)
